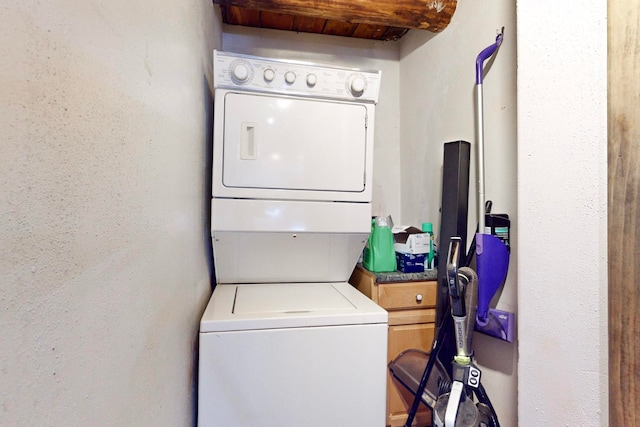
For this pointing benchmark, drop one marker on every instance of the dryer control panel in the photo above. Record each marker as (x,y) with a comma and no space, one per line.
(257,74)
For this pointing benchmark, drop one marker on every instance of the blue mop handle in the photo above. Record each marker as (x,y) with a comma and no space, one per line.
(486,54)
(482,56)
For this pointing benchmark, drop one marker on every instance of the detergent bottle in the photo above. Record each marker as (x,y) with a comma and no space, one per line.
(379,255)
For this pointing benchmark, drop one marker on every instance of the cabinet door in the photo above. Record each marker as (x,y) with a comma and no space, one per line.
(399,400)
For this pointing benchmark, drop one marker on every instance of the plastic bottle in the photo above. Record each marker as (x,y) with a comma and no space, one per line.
(380,256)
(366,253)
(427,227)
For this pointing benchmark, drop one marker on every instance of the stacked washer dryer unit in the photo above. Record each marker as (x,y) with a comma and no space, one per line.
(285,340)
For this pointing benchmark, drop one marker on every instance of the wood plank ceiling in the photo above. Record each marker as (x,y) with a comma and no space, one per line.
(368,19)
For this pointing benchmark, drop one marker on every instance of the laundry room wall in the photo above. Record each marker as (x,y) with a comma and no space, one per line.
(437,87)
(104,249)
(348,52)
(562,212)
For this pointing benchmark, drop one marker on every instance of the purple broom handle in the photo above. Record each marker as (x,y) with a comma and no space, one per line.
(486,54)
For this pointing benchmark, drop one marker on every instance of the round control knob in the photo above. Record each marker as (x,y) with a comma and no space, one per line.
(419,298)
(290,77)
(240,72)
(269,75)
(312,79)
(357,85)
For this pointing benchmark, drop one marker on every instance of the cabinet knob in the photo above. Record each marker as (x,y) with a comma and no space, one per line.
(419,298)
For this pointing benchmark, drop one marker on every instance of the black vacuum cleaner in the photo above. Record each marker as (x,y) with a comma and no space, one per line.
(447,379)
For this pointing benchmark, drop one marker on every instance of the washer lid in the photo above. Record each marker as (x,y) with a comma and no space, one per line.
(288,305)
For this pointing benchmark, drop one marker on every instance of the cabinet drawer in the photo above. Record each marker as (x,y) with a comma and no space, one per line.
(408,295)
(412,317)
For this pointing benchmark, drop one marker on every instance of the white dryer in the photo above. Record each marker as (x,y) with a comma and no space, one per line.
(285,340)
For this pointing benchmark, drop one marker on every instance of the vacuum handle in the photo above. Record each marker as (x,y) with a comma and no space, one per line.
(455,295)
(469,282)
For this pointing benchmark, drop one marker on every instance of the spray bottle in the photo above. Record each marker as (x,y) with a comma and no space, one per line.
(427,228)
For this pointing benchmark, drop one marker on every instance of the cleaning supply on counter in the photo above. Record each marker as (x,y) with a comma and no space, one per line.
(427,228)
(410,240)
(411,263)
(379,255)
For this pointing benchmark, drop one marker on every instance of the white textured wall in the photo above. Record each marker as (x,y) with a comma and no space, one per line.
(437,84)
(103,209)
(562,212)
(349,52)
(104,190)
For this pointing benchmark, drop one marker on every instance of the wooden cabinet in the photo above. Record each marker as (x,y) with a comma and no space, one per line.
(410,301)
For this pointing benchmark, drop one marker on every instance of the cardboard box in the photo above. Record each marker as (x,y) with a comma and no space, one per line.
(411,263)
(411,240)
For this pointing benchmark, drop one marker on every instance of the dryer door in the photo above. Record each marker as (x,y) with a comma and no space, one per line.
(293,144)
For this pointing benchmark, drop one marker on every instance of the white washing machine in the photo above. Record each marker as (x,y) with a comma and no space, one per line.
(285,340)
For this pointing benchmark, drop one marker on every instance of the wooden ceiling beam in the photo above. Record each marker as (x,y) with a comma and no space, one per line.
(432,15)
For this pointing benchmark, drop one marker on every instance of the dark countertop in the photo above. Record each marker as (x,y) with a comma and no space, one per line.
(398,276)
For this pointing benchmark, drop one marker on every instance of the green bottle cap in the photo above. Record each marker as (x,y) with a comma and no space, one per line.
(427,227)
